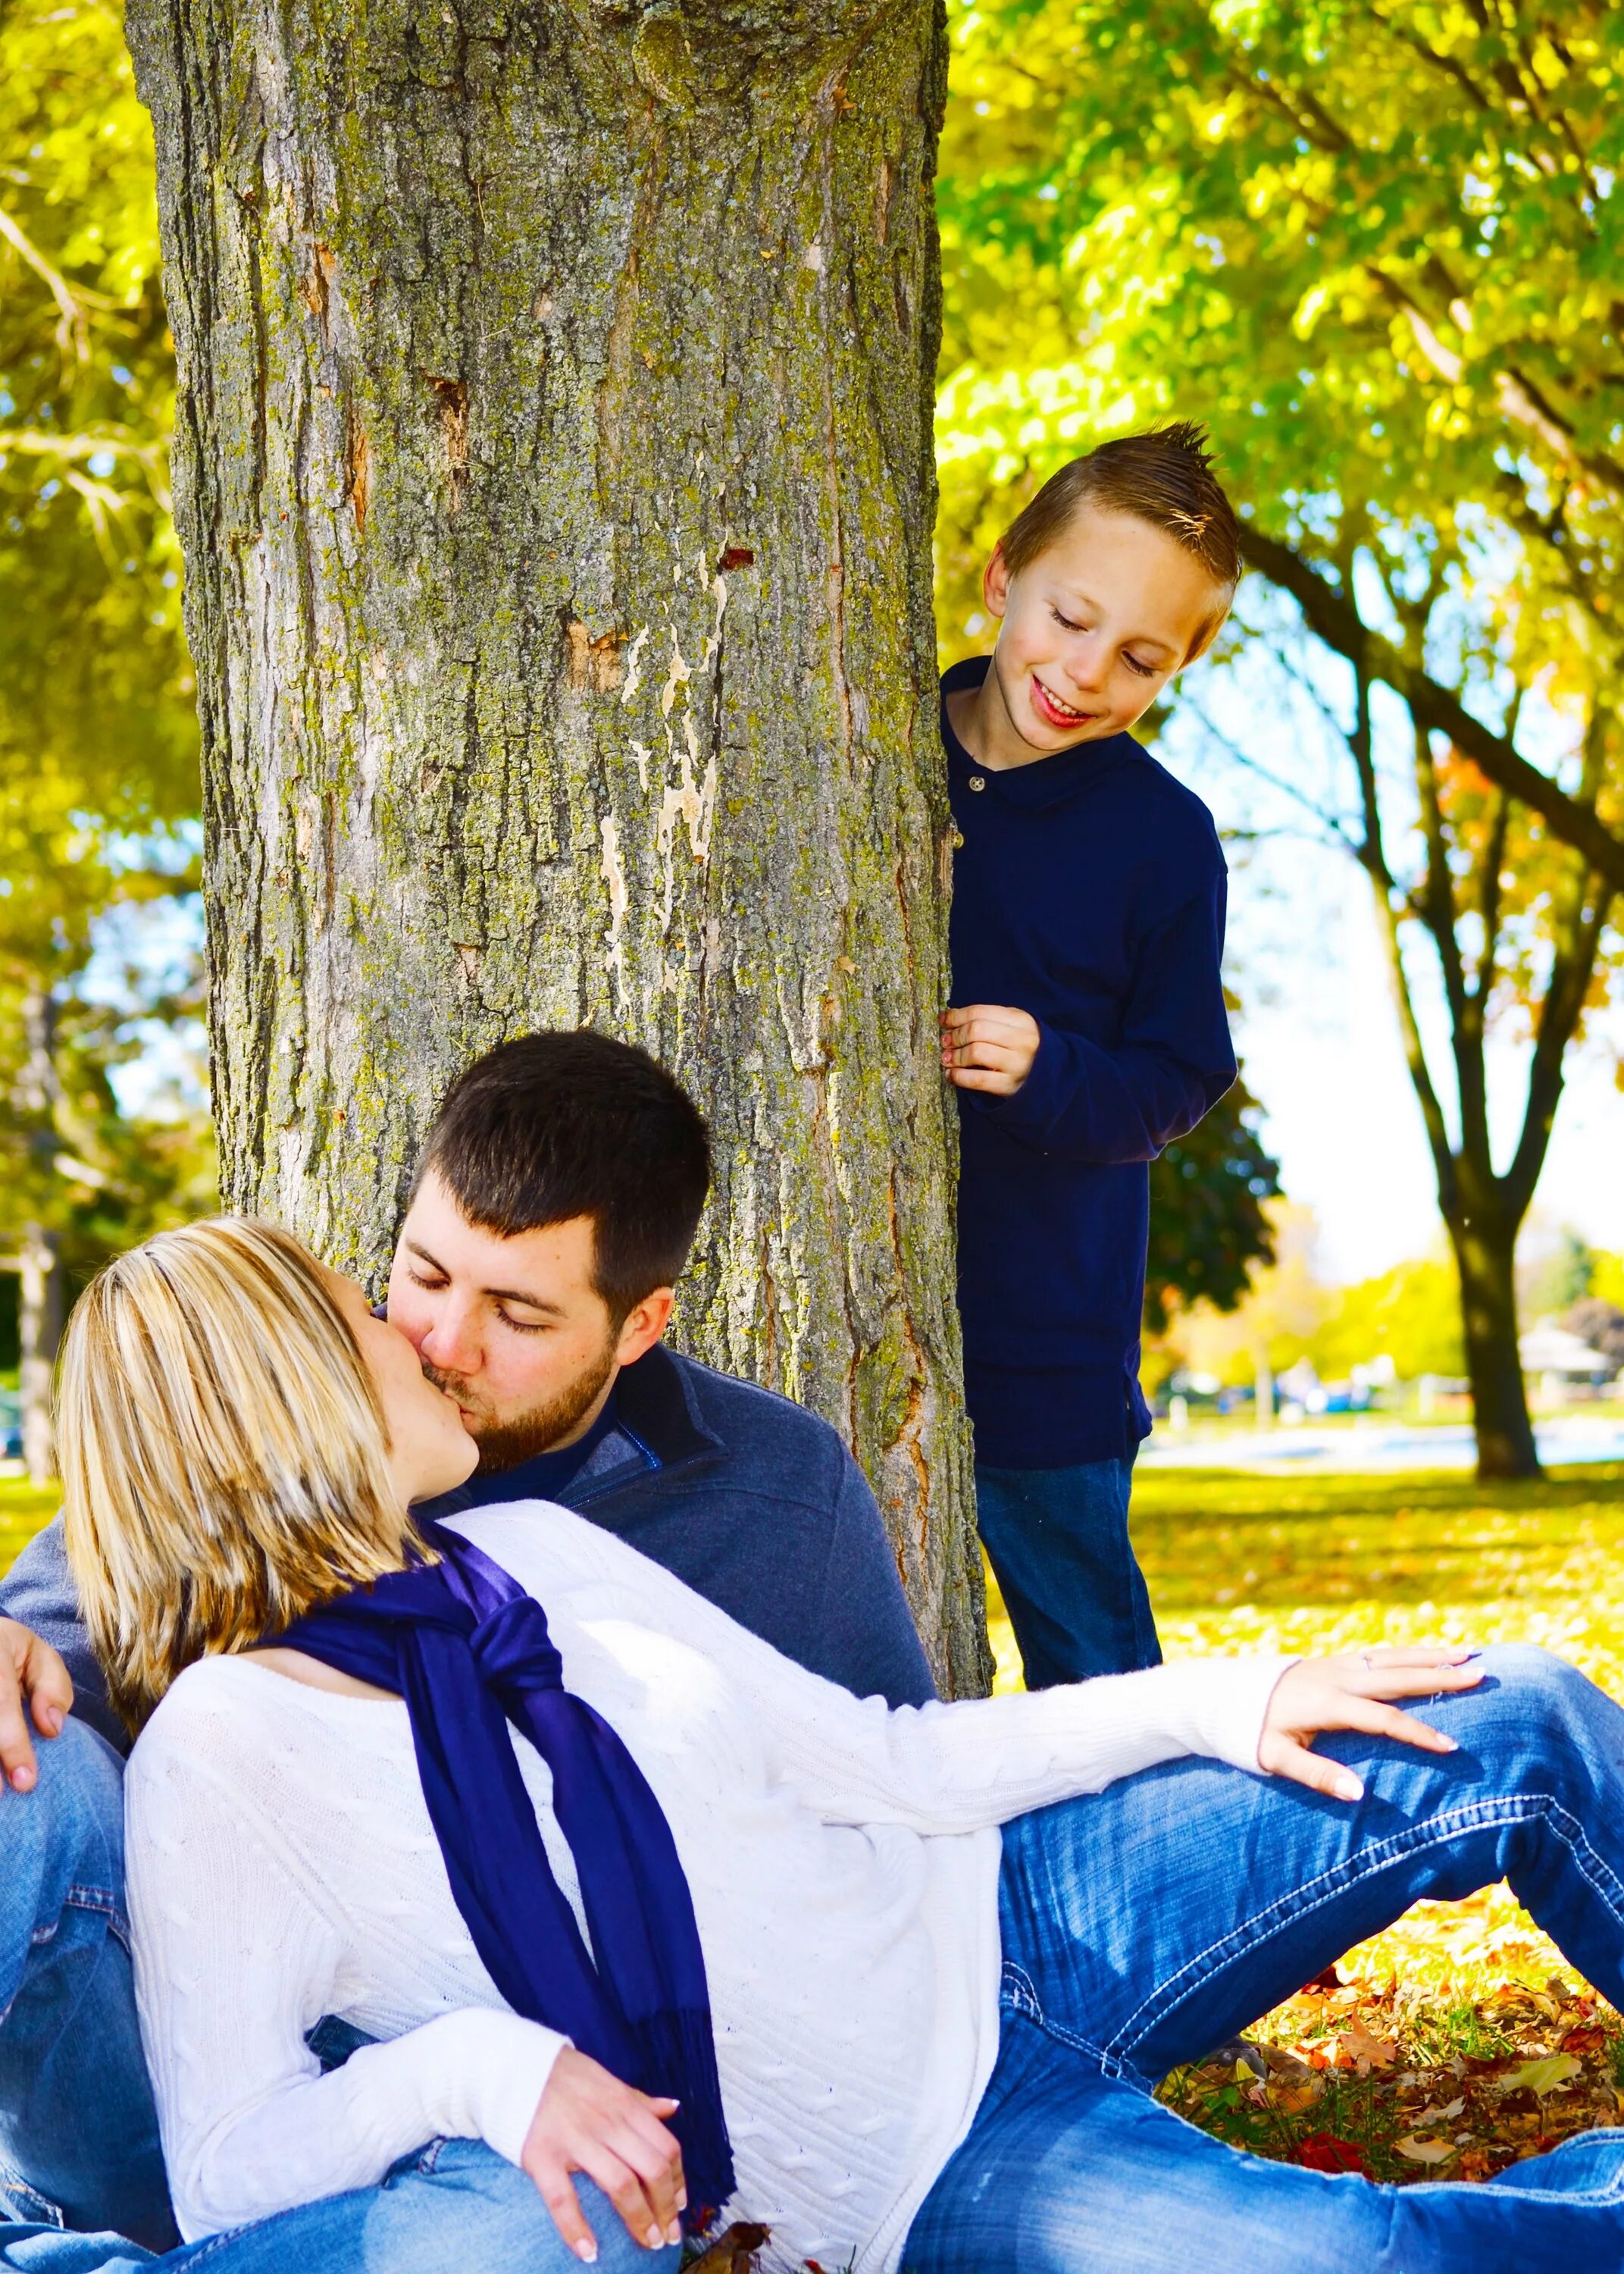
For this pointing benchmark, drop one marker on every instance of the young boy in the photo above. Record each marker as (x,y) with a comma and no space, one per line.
(1087,1026)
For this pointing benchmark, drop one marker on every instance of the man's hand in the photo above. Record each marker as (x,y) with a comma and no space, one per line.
(1350,1693)
(988,1046)
(30,1670)
(589,2121)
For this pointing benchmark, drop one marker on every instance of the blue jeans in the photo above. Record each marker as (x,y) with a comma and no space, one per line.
(1058,1541)
(457,2205)
(79,2134)
(1143,1924)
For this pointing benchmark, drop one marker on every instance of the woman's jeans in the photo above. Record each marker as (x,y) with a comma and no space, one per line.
(1144,1924)
(1058,1543)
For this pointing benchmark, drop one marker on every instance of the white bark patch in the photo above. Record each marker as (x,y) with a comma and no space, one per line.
(694,804)
(718,588)
(614,878)
(634,672)
(813,257)
(642,753)
(678,676)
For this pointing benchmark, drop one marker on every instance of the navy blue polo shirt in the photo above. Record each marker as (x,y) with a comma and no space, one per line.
(1089,890)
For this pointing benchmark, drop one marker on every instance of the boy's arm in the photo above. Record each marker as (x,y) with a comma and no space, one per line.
(1174,1061)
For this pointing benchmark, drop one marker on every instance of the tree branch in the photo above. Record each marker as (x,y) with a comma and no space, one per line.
(1331,615)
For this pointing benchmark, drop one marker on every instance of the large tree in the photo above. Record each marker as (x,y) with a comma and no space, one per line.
(554,471)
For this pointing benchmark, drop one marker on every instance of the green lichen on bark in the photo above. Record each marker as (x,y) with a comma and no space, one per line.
(554,475)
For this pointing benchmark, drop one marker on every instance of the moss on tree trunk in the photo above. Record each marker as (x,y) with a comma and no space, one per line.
(554,470)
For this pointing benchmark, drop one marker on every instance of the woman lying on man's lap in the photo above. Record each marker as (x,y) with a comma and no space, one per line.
(573,1849)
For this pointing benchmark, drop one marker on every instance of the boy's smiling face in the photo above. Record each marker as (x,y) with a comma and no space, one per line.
(1091,631)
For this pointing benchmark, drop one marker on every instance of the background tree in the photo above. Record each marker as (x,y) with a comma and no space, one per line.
(1210,1224)
(98,772)
(554,470)
(1375,250)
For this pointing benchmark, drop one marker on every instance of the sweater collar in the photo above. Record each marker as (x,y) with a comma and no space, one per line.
(1046,781)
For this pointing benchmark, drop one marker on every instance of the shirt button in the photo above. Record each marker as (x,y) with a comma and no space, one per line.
(978,781)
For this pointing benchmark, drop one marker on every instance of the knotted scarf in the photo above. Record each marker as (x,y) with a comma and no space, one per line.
(468,1650)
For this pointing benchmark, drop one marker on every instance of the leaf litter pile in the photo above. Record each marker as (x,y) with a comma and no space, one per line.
(1361,2074)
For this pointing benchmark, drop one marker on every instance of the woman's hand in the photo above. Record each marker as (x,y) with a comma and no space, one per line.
(988,1046)
(587,2120)
(1350,1692)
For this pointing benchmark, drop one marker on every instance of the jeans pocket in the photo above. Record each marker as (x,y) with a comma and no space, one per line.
(26,2203)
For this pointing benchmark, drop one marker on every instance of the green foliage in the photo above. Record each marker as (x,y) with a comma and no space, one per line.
(1410,1315)
(1372,246)
(1208,1225)
(98,734)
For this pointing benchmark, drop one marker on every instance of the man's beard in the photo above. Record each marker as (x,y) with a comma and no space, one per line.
(503,1445)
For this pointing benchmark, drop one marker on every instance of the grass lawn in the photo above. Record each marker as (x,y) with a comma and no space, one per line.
(1458,2042)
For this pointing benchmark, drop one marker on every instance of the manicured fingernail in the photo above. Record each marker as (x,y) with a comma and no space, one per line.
(674,2232)
(681,2198)
(22,1779)
(656,2240)
(1449,1746)
(1348,1787)
(588,2251)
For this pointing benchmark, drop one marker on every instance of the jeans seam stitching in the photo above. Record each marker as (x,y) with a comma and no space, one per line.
(1368,1860)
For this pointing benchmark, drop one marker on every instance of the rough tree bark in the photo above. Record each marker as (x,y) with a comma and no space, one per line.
(554,471)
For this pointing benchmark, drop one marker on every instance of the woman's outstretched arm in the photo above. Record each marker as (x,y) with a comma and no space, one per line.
(236,1956)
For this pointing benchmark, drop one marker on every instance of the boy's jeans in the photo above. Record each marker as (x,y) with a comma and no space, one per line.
(1144,1924)
(1058,1541)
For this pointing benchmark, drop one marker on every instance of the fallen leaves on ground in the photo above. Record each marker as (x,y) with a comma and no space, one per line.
(1371,2077)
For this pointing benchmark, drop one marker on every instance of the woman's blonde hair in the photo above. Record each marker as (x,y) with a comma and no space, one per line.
(224,1455)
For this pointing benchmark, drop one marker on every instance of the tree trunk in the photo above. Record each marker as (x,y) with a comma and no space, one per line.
(40,1307)
(38,1334)
(1485,1257)
(553,470)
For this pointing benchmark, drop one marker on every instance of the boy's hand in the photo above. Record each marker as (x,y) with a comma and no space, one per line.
(988,1046)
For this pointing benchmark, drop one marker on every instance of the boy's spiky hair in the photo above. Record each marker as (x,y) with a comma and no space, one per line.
(1164,477)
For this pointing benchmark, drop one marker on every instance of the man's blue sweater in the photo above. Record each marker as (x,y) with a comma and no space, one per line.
(1089,889)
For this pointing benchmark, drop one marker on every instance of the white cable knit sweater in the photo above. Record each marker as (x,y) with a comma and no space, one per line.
(843,1859)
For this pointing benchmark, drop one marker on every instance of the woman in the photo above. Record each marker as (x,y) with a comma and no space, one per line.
(948,1951)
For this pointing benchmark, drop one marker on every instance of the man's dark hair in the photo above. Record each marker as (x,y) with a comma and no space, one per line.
(555,1125)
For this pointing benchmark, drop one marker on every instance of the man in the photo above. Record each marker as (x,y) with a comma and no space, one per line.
(554,1207)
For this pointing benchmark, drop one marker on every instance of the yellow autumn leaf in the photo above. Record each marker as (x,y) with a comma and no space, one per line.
(1543,2076)
(1425,2151)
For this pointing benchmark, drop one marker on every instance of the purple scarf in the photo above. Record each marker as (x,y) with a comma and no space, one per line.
(468,1650)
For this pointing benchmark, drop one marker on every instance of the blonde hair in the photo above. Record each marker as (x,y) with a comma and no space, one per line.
(224,1455)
